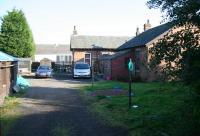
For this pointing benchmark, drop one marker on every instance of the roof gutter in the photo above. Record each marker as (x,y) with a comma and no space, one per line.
(130,48)
(91,49)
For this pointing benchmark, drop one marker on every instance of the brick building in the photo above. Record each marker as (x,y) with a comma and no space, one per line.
(115,66)
(90,48)
(139,48)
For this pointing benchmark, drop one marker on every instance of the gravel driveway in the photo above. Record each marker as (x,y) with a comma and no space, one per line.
(53,107)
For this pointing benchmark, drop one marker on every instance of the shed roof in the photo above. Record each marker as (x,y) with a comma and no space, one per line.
(6,57)
(147,36)
(52,49)
(97,42)
(114,56)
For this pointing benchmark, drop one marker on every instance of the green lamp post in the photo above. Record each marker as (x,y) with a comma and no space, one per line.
(131,69)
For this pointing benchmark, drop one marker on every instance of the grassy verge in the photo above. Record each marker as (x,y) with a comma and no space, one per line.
(60,131)
(163,109)
(8,112)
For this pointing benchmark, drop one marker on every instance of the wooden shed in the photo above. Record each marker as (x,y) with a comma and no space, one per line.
(8,74)
(24,66)
(114,67)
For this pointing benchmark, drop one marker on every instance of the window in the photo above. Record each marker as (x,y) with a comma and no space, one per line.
(88,58)
(60,58)
(57,58)
(68,59)
(137,59)
(82,66)
(64,58)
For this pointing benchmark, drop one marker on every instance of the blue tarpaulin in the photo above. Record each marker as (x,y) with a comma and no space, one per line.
(22,82)
(6,57)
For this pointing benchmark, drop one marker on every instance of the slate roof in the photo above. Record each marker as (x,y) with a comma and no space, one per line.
(97,42)
(114,56)
(6,57)
(147,36)
(52,49)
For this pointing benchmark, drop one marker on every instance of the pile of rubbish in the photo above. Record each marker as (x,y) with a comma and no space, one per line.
(22,84)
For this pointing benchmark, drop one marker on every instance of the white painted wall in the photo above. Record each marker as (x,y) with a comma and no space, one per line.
(52,57)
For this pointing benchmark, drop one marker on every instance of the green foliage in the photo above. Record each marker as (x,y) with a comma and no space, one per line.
(180,11)
(16,37)
(176,50)
(179,50)
(8,114)
(192,72)
(60,131)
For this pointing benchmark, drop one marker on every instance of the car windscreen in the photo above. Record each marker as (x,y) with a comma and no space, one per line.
(44,68)
(82,66)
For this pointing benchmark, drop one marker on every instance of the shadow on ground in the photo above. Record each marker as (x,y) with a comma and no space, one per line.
(50,111)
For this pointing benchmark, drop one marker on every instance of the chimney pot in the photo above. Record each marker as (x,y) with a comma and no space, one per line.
(137,31)
(75,31)
(147,25)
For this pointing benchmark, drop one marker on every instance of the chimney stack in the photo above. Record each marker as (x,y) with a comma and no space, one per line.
(137,31)
(74,31)
(147,25)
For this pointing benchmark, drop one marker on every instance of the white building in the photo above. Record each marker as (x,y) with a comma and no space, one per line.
(58,53)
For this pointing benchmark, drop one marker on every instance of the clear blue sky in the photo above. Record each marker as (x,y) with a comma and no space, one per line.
(52,21)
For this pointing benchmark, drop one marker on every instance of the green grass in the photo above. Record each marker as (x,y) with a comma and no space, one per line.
(9,113)
(60,131)
(103,85)
(164,109)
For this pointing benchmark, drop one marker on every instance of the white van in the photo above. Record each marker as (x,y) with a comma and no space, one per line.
(81,69)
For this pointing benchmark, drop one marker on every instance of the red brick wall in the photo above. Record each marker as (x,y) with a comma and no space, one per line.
(119,69)
(120,72)
(105,68)
(79,56)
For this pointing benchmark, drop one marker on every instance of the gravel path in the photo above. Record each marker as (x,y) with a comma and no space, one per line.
(53,107)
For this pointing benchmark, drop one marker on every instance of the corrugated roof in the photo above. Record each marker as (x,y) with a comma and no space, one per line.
(146,37)
(97,42)
(52,49)
(6,57)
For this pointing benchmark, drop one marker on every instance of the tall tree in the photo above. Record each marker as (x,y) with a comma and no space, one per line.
(16,37)
(179,11)
(179,49)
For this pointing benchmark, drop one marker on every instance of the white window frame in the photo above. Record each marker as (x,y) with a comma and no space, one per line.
(69,59)
(62,58)
(87,58)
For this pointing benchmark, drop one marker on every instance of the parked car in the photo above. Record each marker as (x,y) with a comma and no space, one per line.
(81,70)
(44,71)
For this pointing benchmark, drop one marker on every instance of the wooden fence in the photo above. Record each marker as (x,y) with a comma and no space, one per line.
(8,76)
